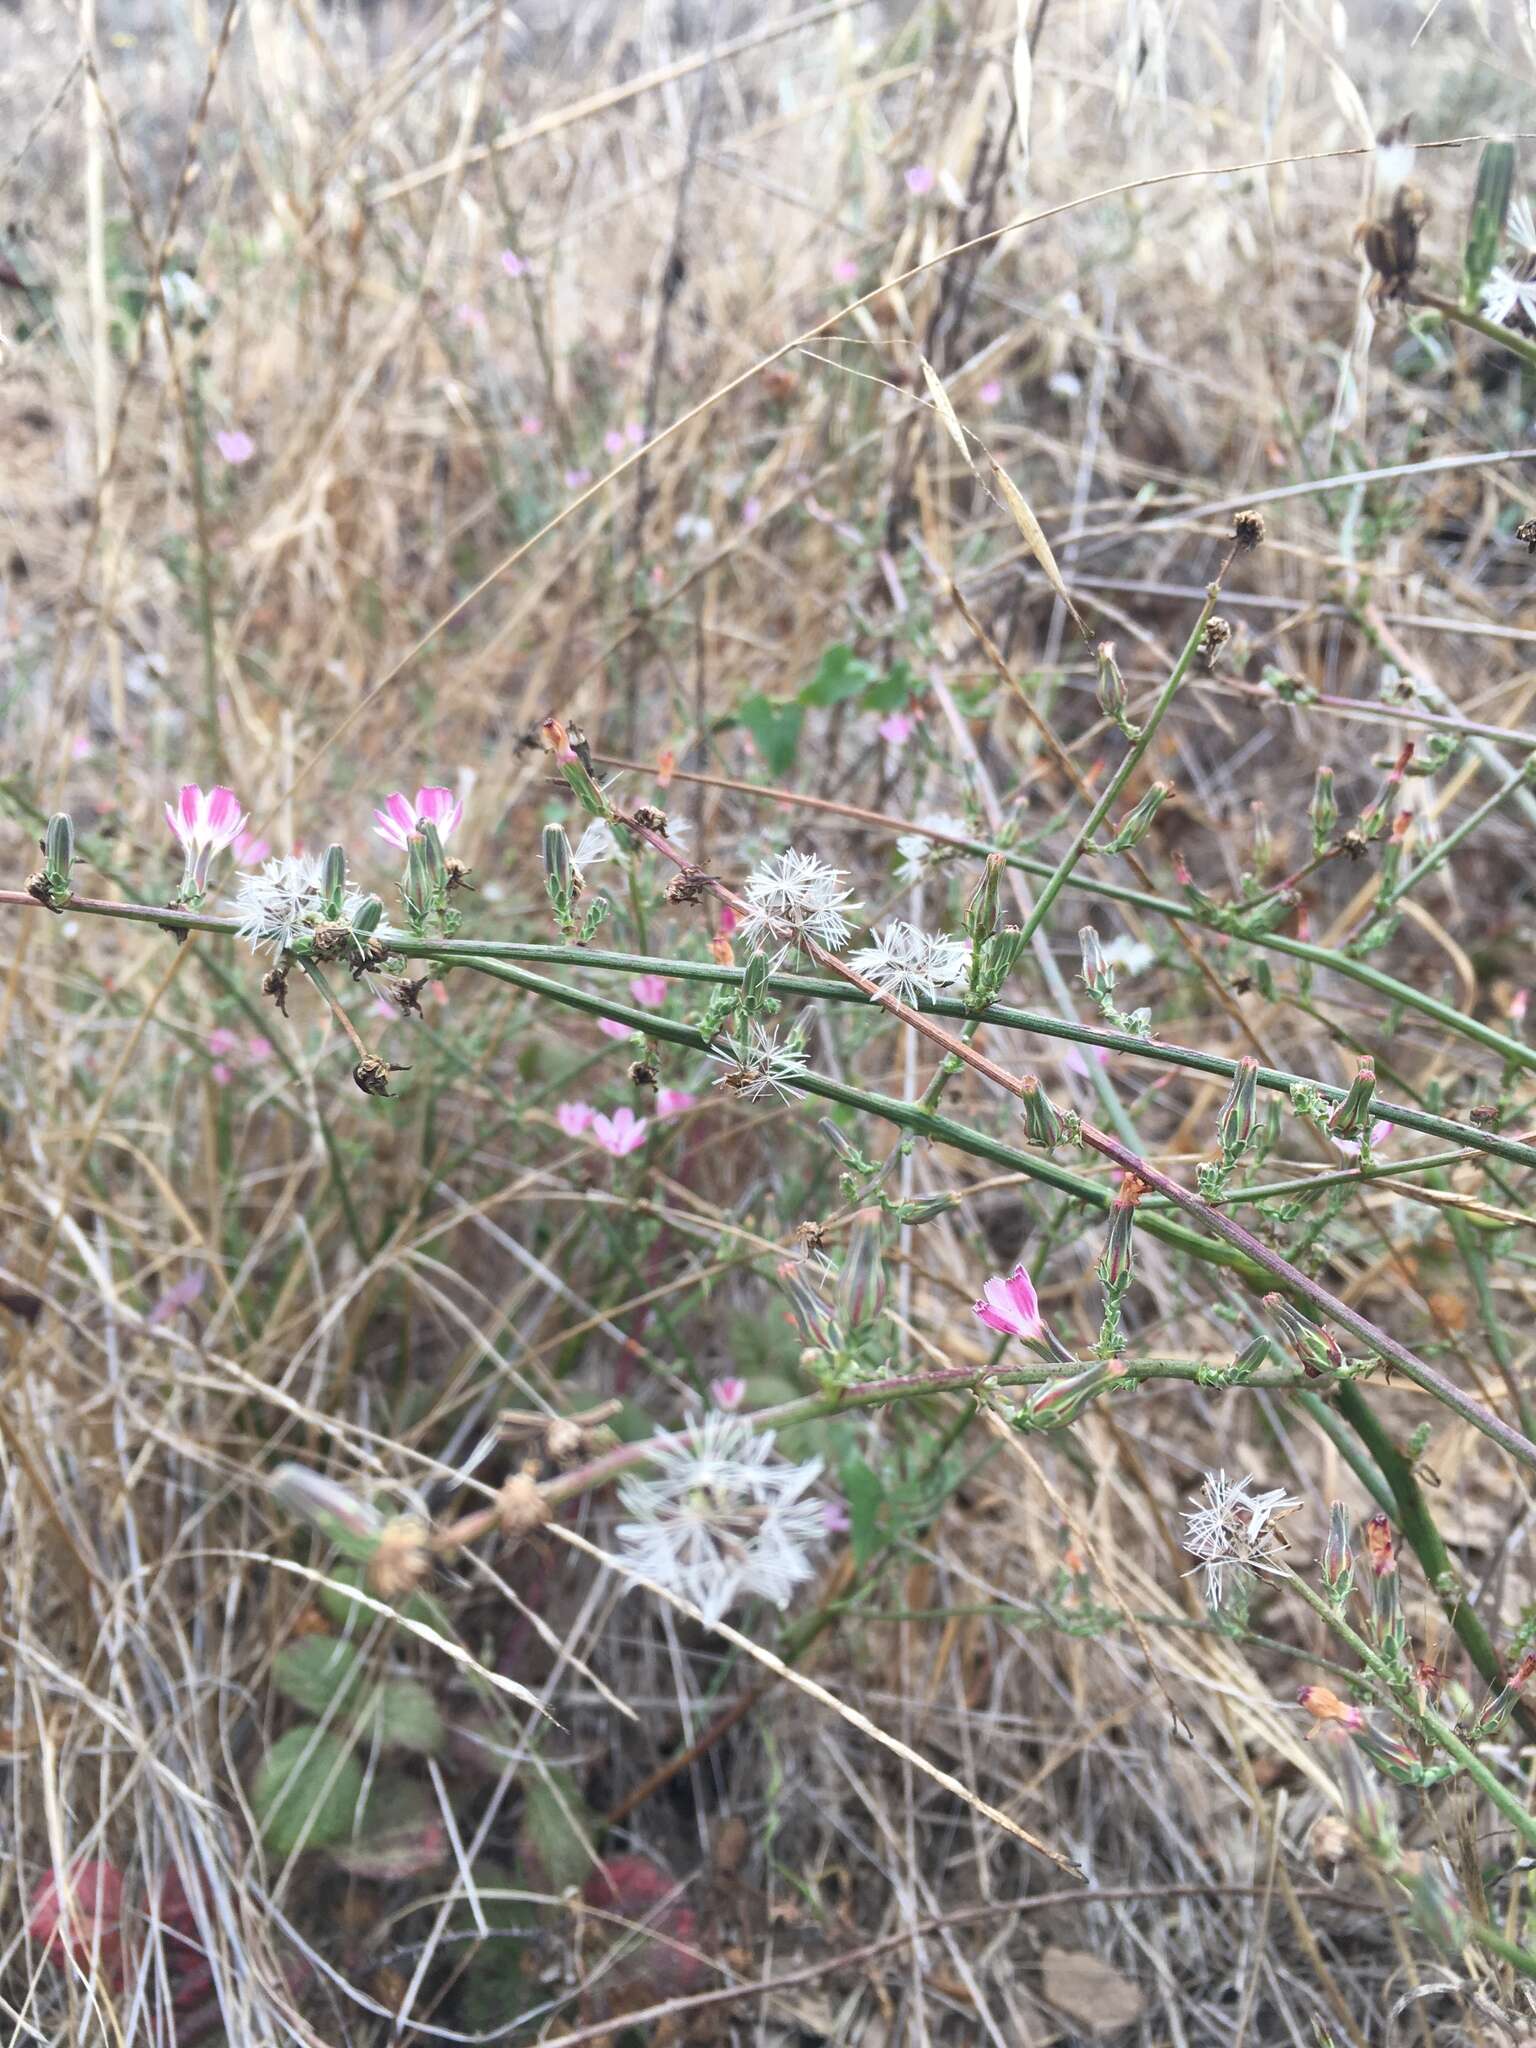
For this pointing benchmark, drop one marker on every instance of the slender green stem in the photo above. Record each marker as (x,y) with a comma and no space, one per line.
(1490,330)
(1395,1693)
(1061,874)
(1521,779)
(1418,1525)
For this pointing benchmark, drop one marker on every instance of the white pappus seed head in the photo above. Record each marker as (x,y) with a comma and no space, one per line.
(1232,1530)
(795,896)
(721,1519)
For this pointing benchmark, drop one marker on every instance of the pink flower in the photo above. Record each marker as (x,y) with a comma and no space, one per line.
(203,826)
(610,1027)
(752,511)
(222,1074)
(258,1050)
(728,1393)
(574,1117)
(513,264)
(897,729)
(990,392)
(221,1043)
(80,746)
(1380,1132)
(672,1101)
(531,425)
(1072,1059)
(1519,1002)
(727,920)
(400,817)
(235,446)
(634,433)
(834,1518)
(469,315)
(577,479)
(180,1296)
(613,441)
(918,179)
(649,991)
(845,270)
(1011,1305)
(250,851)
(621,1133)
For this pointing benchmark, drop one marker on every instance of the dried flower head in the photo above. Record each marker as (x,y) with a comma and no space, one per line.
(1391,244)
(1214,639)
(723,1518)
(1233,1530)
(401,1561)
(907,963)
(1525,533)
(757,1065)
(795,896)
(1248,530)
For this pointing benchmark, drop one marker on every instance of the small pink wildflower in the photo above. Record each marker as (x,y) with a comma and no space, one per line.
(621,1133)
(1519,1002)
(673,1101)
(610,1027)
(751,511)
(180,1296)
(728,1393)
(258,1050)
(834,1518)
(513,264)
(574,1117)
(728,920)
(845,270)
(649,990)
(80,746)
(221,1043)
(400,817)
(613,441)
(469,315)
(221,1073)
(1011,1305)
(531,425)
(634,433)
(1380,1132)
(203,826)
(991,392)
(250,851)
(1072,1059)
(235,445)
(577,479)
(897,729)
(918,179)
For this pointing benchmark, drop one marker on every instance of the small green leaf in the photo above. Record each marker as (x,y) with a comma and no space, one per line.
(406,1717)
(840,676)
(1490,206)
(334,1600)
(775,726)
(399,1833)
(306,1791)
(864,1492)
(558,1829)
(890,692)
(315,1671)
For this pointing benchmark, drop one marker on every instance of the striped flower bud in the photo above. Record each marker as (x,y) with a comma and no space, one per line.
(861,1283)
(1239,1113)
(1353,1114)
(1042,1119)
(1316,1349)
(1324,811)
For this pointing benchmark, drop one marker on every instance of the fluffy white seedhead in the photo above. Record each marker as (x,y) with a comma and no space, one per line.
(721,1519)
(758,1065)
(1233,1530)
(280,903)
(794,896)
(905,962)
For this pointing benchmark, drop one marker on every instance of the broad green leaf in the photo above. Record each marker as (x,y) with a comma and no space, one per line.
(307,1790)
(399,1834)
(315,1671)
(405,1715)
(558,1828)
(841,675)
(775,726)
(864,1492)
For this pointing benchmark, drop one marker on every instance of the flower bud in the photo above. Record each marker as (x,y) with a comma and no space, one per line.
(351,1524)
(1316,1348)
(1338,1555)
(1325,1705)
(1111,689)
(1439,1909)
(925,1208)
(861,1282)
(1239,1113)
(562,878)
(1372,1812)
(1118,1257)
(843,1146)
(333,880)
(817,1324)
(1353,1114)
(1324,811)
(369,916)
(1137,822)
(59,848)
(1042,1119)
(1057,1402)
(1380,1549)
(981,911)
(754,985)
(1098,977)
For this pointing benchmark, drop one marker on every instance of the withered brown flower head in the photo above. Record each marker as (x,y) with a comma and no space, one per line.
(1248,530)
(1391,245)
(1213,641)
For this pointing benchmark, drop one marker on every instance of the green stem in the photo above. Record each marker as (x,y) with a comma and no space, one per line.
(1479,323)
(1061,874)
(1521,779)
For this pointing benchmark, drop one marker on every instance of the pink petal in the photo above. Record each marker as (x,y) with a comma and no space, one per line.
(671,1101)
(190,803)
(439,808)
(990,392)
(611,1028)
(649,990)
(512,263)
(574,1117)
(225,816)
(1021,1292)
(919,179)
(834,1518)
(728,1393)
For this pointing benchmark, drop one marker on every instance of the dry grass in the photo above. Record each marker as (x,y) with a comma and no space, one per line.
(406,576)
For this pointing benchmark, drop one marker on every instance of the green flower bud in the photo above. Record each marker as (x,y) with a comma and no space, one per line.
(1098,977)
(1324,811)
(1239,1113)
(861,1283)
(333,880)
(981,911)
(370,915)
(1042,1119)
(1353,1114)
(1316,1349)
(1136,823)
(1111,688)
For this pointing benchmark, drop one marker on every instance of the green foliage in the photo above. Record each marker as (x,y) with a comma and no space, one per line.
(559,1832)
(1485,228)
(318,1673)
(398,1834)
(776,723)
(307,1790)
(404,1714)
